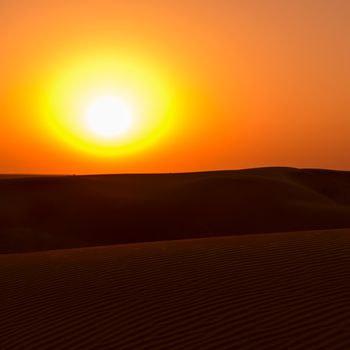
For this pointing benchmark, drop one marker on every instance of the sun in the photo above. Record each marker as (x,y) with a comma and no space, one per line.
(108,117)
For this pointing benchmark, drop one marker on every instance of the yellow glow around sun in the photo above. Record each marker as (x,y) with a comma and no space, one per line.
(109,106)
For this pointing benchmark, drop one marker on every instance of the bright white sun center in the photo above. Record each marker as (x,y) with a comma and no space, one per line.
(108,117)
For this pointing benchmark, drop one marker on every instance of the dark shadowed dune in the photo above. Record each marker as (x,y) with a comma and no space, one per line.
(45,212)
(261,287)
(268,291)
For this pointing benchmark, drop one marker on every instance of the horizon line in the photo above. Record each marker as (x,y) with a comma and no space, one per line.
(172,173)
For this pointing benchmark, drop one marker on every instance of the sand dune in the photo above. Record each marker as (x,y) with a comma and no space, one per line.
(40,213)
(268,291)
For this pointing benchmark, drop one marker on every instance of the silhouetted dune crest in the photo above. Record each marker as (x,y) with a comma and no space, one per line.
(50,212)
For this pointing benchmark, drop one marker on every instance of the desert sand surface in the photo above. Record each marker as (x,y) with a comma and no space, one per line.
(51,212)
(262,291)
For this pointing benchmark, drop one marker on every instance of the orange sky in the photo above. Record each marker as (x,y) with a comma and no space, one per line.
(260,83)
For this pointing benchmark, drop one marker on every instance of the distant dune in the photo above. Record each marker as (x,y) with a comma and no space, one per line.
(45,212)
(268,291)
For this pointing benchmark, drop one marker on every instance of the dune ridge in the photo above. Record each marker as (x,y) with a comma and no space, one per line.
(52,212)
(268,291)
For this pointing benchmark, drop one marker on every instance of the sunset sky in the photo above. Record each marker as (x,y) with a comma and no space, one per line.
(198,84)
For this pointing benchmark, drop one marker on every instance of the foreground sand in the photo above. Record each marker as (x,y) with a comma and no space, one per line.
(267,291)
